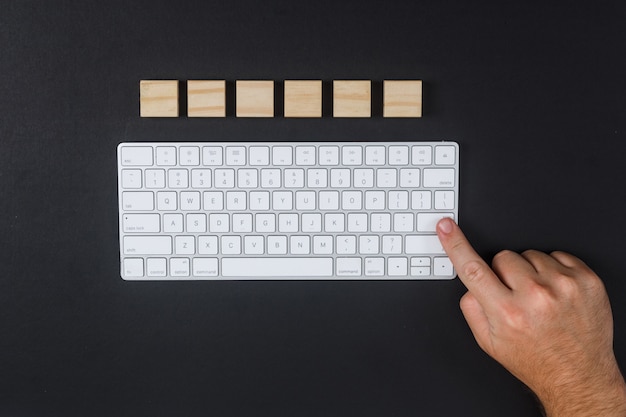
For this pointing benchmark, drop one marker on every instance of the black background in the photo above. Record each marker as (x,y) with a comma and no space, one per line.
(534,93)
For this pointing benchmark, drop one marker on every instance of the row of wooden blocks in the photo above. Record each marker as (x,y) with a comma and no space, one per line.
(302,98)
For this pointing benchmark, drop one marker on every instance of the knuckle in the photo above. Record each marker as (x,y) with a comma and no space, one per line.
(515,317)
(561,254)
(566,286)
(530,253)
(473,270)
(501,257)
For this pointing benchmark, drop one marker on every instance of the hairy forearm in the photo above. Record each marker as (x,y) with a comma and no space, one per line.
(593,400)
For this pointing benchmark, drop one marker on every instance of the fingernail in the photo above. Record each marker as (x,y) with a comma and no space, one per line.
(446,225)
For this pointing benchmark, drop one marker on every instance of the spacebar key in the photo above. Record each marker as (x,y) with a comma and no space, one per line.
(277,267)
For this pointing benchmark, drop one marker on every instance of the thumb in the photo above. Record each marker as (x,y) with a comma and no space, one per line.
(477,321)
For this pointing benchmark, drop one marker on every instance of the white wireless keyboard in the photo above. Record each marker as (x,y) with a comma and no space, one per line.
(305,210)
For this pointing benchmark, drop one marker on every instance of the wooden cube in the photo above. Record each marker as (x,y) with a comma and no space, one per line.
(352,98)
(206,98)
(402,98)
(158,98)
(255,98)
(303,98)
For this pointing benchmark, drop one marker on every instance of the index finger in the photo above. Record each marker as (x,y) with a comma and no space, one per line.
(473,271)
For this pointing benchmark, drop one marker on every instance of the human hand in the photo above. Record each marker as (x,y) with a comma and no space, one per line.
(545,318)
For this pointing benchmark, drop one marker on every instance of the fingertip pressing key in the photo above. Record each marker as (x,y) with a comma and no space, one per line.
(445,225)
(479,279)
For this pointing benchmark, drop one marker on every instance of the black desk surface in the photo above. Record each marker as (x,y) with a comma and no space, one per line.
(535,95)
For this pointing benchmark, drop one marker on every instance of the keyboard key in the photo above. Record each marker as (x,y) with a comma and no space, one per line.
(317,178)
(142,223)
(253,245)
(190,200)
(386,178)
(189,155)
(167,201)
(177,178)
(421,155)
(323,245)
(172,223)
(270,178)
(305,155)
(219,223)
(420,271)
(328,155)
(259,155)
(235,155)
(399,155)
(435,178)
(136,156)
(147,245)
(277,267)
(444,200)
(207,245)
(213,200)
(312,222)
(397,267)
(403,222)
(179,267)
(445,155)
(231,245)
(205,267)
(282,200)
(212,155)
(247,178)
(184,245)
(138,201)
(277,245)
(131,178)
(409,178)
(392,244)
(363,178)
(346,245)
(156,267)
(443,267)
(166,155)
(426,244)
(421,200)
(352,155)
(375,155)
(155,178)
(196,223)
(201,178)
(348,267)
(368,244)
(427,222)
(375,267)
(282,155)
(133,267)
(340,178)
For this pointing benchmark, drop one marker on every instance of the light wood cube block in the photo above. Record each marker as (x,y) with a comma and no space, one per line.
(206,98)
(402,98)
(303,98)
(158,98)
(352,98)
(255,98)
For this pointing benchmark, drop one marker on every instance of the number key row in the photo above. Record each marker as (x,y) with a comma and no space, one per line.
(180,178)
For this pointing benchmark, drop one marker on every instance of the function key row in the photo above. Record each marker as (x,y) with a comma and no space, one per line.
(327,155)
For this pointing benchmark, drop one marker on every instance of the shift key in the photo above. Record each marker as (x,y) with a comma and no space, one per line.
(147,245)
